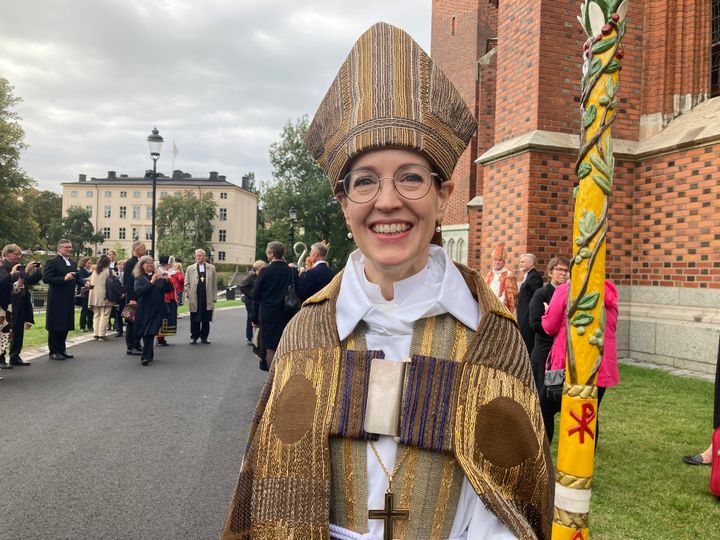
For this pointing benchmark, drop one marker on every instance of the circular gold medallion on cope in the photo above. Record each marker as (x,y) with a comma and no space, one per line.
(294,409)
(505,433)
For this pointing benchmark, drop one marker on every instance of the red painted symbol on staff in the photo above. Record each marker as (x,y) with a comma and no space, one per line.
(578,536)
(588,415)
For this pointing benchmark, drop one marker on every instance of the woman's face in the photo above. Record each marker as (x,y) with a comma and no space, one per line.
(149,267)
(559,274)
(402,252)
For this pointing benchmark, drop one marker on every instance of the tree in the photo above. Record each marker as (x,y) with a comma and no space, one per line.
(298,182)
(184,224)
(120,251)
(16,225)
(76,227)
(45,208)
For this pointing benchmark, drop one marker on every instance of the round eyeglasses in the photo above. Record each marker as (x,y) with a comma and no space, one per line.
(411,182)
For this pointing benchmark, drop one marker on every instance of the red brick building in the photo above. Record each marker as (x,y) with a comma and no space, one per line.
(518,65)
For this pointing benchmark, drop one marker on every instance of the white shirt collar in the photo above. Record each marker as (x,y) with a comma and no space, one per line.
(438,288)
(323,261)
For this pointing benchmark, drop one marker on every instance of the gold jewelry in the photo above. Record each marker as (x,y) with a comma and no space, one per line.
(398,464)
(389,513)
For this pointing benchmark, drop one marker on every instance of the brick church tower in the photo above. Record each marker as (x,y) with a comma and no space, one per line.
(518,65)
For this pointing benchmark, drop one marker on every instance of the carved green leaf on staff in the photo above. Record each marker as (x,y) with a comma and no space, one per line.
(589,116)
(583,170)
(589,301)
(582,319)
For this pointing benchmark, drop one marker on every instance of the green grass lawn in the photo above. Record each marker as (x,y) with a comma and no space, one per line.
(37,335)
(641,489)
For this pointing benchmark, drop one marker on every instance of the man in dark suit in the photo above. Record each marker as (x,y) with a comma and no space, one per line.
(531,282)
(318,275)
(61,276)
(131,340)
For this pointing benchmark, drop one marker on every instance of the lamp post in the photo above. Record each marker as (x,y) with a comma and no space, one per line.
(293,219)
(155,143)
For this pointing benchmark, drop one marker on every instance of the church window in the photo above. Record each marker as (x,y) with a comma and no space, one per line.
(106,233)
(221,255)
(222,235)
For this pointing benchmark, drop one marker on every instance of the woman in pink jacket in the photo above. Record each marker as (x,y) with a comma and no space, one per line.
(553,322)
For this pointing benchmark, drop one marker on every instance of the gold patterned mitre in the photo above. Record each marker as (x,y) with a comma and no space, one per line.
(389,93)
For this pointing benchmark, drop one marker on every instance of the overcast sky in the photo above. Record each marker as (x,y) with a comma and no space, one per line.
(220,77)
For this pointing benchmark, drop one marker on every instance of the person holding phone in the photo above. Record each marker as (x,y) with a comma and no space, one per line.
(61,276)
(23,277)
(150,288)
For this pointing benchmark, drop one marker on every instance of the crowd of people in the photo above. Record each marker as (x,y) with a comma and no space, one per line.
(137,298)
(540,310)
(273,292)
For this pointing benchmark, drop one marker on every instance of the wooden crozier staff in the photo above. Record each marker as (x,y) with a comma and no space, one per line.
(603,21)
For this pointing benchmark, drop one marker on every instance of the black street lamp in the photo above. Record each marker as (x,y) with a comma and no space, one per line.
(155,143)
(293,219)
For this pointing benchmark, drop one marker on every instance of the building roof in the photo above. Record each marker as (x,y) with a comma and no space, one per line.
(178,178)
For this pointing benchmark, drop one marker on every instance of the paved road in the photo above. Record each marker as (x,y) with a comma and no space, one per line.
(102,447)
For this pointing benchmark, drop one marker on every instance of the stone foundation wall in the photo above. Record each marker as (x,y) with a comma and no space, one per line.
(670,326)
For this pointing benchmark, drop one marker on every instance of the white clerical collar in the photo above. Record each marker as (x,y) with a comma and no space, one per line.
(438,288)
(500,272)
(201,267)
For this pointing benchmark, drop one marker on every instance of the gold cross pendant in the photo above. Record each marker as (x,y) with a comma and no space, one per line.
(388,514)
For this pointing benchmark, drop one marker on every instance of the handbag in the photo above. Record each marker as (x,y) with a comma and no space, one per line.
(554,382)
(128,313)
(292,302)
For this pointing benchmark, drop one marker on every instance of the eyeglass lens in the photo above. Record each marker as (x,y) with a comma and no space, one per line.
(411,181)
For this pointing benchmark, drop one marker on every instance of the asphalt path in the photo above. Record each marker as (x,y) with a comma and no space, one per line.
(100,446)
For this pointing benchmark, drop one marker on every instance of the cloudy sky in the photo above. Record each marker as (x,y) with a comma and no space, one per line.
(220,77)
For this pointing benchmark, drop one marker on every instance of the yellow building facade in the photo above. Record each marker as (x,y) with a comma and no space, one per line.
(121,209)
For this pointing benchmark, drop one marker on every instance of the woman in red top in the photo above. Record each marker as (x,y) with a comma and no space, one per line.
(169,324)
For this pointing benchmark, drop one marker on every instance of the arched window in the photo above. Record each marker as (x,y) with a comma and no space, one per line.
(460,251)
(451,248)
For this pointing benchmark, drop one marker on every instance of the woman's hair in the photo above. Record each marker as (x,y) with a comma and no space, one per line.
(177,266)
(102,264)
(277,249)
(83,262)
(257,265)
(138,270)
(10,248)
(555,261)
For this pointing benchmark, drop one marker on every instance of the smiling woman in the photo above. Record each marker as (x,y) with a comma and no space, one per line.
(400,399)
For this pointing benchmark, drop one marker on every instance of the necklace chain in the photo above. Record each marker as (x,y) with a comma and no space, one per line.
(398,464)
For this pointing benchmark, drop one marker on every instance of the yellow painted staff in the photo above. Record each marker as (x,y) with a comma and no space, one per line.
(604,23)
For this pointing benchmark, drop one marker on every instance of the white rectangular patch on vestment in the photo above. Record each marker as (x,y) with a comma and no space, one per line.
(385,386)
